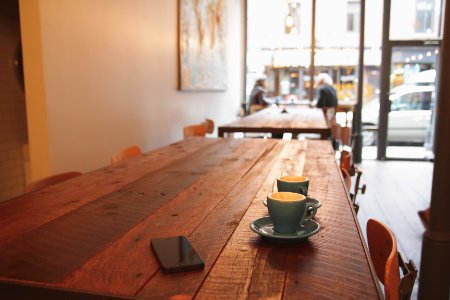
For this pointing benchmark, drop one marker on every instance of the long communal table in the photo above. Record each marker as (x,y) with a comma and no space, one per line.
(296,120)
(89,237)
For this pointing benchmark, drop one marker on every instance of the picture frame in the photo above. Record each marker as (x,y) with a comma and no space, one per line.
(202,45)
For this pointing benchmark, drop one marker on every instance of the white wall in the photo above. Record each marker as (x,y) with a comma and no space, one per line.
(110,69)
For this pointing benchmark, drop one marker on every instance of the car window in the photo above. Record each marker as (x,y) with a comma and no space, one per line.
(413,101)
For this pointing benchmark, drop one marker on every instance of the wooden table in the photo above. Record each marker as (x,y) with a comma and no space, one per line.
(91,234)
(298,119)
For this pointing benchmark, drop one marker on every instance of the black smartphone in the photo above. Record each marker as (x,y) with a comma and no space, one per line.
(176,254)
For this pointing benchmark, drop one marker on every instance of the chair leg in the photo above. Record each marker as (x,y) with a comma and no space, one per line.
(424,216)
(409,271)
(355,206)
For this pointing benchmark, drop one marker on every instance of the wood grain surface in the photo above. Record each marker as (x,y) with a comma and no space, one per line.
(300,119)
(92,234)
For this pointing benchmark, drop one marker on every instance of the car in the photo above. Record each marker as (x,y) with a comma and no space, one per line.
(409,117)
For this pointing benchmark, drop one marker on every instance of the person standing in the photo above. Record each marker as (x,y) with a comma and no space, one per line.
(327,99)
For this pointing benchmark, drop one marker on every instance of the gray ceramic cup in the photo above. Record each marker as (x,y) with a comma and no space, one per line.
(294,184)
(289,210)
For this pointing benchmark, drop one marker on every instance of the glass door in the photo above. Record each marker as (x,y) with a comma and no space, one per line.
(412,31)
(412,98)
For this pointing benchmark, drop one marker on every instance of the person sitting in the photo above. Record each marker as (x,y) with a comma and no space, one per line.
(258,96)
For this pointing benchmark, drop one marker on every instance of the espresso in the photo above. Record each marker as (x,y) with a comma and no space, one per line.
(286,196)
(293,178)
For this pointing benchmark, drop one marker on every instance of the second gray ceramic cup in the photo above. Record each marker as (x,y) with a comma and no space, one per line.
(293,184)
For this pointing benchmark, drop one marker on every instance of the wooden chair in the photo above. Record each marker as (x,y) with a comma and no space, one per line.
(346,160)
(335,134)
(126,153)
(50,180)
(335,129)
(348,184)
(200,129)
(346,136)
(387,261)
(194,130)
(209,125)
(346,163)
(256,107)
(347,179)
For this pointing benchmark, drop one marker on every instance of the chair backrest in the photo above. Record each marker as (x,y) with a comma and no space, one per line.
(256,107)
(195,130)
(347,179)
(126,153)
(335,131)
(209,125)
(50,180)
(346,160)
(383,251)
(346,135)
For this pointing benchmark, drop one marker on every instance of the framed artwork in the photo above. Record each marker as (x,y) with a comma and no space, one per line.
(202,36)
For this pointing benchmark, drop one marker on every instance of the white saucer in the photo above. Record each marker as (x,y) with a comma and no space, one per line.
(264,227)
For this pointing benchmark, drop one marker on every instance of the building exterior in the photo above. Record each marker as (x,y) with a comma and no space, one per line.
(279,42)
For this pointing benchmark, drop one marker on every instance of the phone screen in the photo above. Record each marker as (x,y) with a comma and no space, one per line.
(176,254)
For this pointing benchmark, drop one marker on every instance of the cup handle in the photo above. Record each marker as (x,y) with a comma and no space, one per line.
(311,211)
(302,190)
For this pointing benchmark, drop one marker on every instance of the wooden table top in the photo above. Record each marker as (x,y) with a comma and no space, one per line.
(92,234)
(298,119)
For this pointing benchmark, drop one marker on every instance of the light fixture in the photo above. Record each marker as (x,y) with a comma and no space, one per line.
(420,56)
(429,53)
(413,58)
(436,51)
(289,21)
(292,19)
(407,60)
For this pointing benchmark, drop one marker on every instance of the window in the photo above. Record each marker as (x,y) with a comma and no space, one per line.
(353,16)
(413,101)
(424,16)
(416,19)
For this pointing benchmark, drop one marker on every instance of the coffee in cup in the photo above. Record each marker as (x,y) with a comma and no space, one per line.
(289,210)
(294,184)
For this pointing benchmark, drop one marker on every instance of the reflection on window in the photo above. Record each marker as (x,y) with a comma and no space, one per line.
(413,101)
(416,19)
(353,9)
(424,16)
